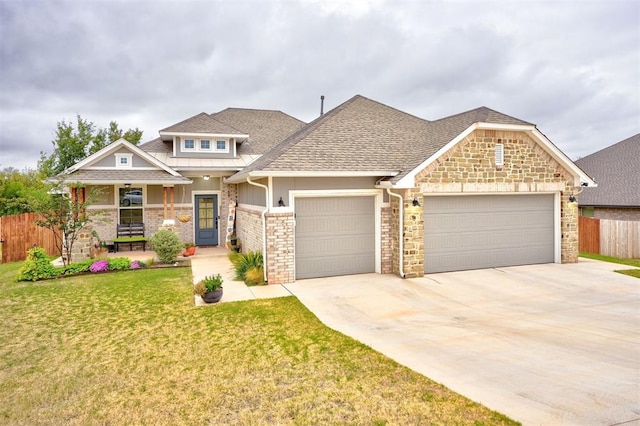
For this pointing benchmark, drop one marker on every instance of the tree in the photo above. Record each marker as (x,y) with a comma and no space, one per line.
(74,143)
(65,214)
(17,189)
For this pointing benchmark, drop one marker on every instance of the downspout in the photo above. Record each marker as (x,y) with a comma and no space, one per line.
(264,223)
(400,236)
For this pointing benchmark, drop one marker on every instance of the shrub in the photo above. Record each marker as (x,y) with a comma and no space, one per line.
(37,266)
(77,267)
(136,264)
(119,264)
(242,262)
(254,276)
(99,266)
(167,245)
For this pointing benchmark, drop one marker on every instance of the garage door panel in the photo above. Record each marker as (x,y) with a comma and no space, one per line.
(485,231)
(334,236)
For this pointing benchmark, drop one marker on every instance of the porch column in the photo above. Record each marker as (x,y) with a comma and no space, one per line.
(173,215)
(164,201)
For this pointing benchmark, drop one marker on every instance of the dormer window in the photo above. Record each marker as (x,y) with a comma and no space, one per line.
(222,146)
(205,145)
(123,161)
(189,144)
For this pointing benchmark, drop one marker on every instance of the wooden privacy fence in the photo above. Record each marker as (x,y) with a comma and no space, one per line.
(19,233)
(589,238)
(618,238)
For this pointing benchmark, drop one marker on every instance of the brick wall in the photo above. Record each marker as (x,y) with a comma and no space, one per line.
(280,248)
(386,230)
(469,167)
(616,214)
(249,228)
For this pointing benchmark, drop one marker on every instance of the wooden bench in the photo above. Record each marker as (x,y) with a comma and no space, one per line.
(130,233)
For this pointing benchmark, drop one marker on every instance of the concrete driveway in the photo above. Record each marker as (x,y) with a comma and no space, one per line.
(544,344)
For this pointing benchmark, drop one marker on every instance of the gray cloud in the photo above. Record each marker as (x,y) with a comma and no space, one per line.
(571,67)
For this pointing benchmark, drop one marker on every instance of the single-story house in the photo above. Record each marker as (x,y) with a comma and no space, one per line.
(364,188)
(617,171)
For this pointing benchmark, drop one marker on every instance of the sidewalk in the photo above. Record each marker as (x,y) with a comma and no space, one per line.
(214,260)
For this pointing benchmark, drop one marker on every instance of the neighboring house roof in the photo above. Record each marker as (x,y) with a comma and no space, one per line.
(266,128)
(365,137)
(617,171)
(202,123)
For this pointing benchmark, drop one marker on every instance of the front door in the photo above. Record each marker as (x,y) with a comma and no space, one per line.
(206,220)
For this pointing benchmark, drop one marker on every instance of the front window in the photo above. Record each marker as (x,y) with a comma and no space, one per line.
(130,205)
(221,146)
(205,144)
(189,144)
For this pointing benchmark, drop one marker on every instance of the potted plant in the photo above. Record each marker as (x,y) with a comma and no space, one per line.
(209,288)
(189,249)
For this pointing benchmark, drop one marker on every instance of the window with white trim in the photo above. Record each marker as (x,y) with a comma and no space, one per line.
(205,145)
(221,146)
(188,145)
(123,161)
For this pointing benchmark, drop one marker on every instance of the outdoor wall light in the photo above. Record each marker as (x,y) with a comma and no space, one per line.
(416,203)
(572,199)
(206,177)
(280,202)
(127,185)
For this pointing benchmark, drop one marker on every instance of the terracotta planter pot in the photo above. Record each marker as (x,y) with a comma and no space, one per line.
(189,251)
(213,296)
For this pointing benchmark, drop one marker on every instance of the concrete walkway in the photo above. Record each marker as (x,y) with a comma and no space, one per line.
(214,260)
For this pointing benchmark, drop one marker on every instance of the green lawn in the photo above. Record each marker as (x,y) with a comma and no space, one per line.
(130,348)
(629,262)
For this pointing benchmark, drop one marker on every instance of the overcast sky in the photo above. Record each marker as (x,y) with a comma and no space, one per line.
(571,67)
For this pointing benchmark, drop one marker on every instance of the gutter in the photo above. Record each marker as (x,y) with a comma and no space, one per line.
(264,223)
(400,236)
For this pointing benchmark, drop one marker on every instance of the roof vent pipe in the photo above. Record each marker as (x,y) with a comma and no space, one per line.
(321,104)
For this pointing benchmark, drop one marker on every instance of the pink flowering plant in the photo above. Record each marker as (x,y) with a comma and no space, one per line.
(99,266)
(135,265)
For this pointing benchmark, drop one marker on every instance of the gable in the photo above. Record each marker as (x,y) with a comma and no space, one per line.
(473,164)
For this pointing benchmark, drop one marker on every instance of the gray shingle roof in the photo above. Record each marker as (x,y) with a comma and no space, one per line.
(125,176)
(616,170)
(202,123)
(365,135)
(266,128)
(157,145)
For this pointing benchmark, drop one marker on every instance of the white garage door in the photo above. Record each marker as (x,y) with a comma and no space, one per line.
(485,231)
(334,236)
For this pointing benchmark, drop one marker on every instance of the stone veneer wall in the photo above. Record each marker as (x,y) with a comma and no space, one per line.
(412,236)
(280,248)
(104,223)
(249,228)
(469,167)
